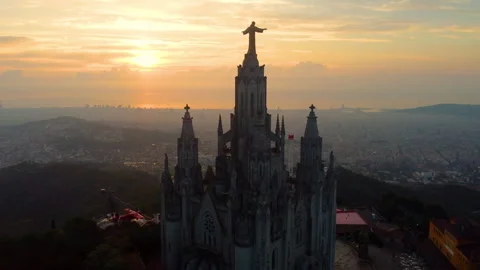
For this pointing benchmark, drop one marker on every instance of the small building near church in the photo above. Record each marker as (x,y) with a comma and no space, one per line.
(352,227)
(349,221)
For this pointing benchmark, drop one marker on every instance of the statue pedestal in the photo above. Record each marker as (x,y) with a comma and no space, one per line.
(250,60)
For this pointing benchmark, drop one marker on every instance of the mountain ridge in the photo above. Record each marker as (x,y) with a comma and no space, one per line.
(451,109)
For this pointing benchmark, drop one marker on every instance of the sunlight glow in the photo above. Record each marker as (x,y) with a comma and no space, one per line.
(146,59)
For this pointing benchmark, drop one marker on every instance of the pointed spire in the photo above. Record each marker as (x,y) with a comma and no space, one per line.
(277,127)
(331,166)
(166,163)
(220,126)
(187,127)
(311,129)
(166,176)
(209,176)
(332,160)
(283,126)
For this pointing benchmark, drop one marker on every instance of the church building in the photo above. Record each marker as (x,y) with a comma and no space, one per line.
(248,212)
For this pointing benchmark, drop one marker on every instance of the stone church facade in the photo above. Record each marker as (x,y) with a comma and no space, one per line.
(248,212)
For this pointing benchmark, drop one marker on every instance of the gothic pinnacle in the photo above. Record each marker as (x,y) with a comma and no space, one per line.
(283,126)
(166,163)
(311,129)
(277,127)
(220,126)
(187,126)
(312,112)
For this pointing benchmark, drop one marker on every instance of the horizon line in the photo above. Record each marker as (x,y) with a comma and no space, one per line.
(206,108)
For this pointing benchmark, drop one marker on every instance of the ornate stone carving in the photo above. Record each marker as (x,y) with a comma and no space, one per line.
(208,223)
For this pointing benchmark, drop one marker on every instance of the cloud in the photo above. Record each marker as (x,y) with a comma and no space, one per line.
(115,74)
(307,69)
(97,35)
(457,29)
(296,86)
(55,60)
(11,75)
(375,26)
(12,40)
(403,5)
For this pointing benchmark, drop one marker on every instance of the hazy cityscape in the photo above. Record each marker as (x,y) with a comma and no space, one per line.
(396,147)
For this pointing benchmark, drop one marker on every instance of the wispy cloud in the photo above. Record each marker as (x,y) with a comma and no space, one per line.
(402,5)
(57,60)
(12,40)
(458,29)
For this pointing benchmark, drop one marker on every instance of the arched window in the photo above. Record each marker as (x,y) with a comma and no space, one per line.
(241,101)
(299,226)
(245,103)
(298,219)
(259,98)
(208,223)
(325,203)
(208,229)
(274,259)
(252,107)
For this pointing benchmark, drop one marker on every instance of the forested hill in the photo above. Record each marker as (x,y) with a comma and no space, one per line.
(358,190)
(31,195)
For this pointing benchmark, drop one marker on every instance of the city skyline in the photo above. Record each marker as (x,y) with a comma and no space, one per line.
(380,54)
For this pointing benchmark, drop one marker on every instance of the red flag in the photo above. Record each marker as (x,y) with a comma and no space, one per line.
(290,136)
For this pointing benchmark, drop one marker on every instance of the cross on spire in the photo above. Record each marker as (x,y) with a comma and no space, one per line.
(312,107)
(186,108)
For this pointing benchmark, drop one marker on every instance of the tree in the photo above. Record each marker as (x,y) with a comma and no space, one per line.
(82,235)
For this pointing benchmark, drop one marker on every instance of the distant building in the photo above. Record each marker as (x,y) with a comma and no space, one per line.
(249,213)
(428,175)
(459,241)
(351,225)
(349,221)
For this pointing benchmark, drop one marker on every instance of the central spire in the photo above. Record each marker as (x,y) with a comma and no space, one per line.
(187,127)
(311,130)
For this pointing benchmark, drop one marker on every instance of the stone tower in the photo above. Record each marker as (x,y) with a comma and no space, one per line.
(248,213)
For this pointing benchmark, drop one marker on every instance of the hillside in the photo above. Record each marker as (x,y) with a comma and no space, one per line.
(31,195)
(459,110)
(358,190)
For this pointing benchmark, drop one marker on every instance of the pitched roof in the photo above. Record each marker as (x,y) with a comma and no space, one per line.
(349,218)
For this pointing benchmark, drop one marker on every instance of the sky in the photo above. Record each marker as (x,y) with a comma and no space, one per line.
(360,53)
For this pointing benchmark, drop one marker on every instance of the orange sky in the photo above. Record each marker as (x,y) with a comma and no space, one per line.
(361,53)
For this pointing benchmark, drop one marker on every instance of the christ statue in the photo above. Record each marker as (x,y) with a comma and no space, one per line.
(251,30)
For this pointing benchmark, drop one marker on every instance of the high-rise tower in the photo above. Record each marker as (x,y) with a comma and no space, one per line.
(249,213)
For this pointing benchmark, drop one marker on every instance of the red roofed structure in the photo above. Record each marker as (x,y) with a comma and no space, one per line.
(349,222)
(352,226)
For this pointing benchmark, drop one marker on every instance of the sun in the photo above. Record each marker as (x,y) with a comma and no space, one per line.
(145,59)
